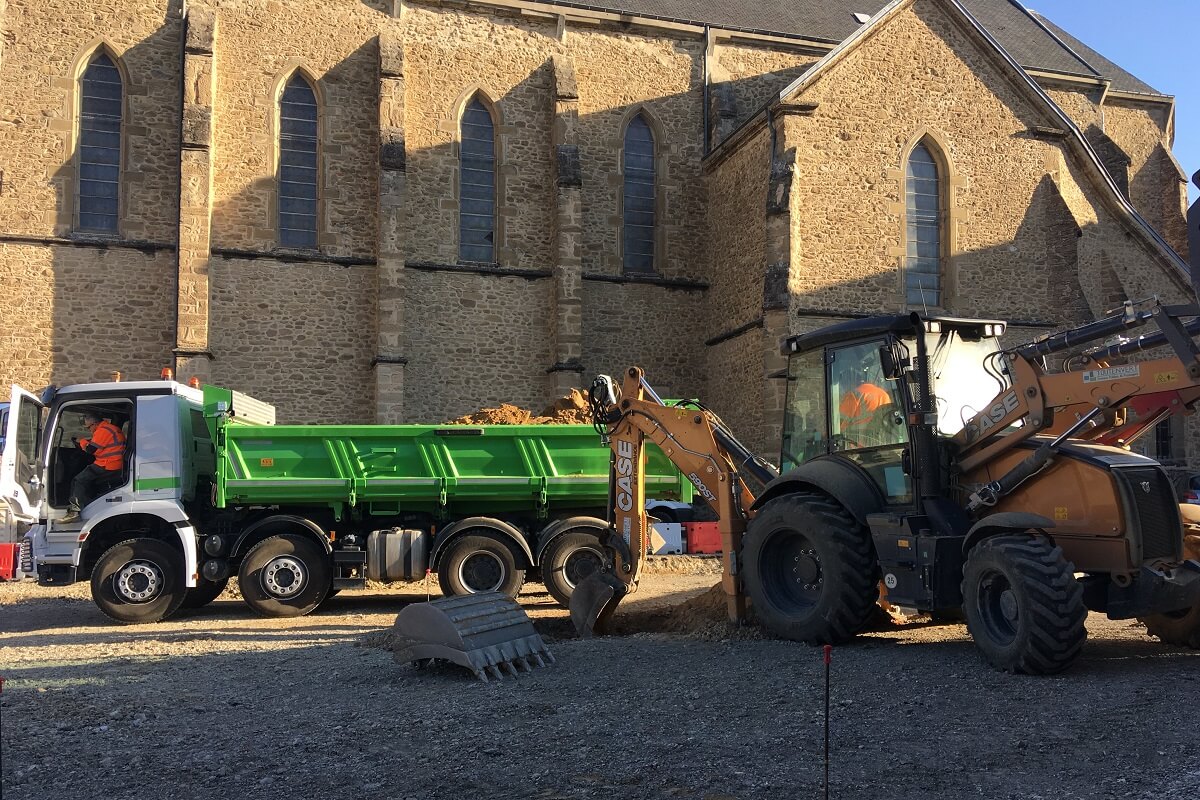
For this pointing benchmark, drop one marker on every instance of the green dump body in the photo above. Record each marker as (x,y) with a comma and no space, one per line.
(445,470)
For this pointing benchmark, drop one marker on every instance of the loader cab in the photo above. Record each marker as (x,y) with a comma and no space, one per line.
(856,390)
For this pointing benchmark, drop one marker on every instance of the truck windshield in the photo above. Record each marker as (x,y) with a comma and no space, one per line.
(966,379)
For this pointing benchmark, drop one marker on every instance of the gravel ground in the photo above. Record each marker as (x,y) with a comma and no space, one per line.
(221,704)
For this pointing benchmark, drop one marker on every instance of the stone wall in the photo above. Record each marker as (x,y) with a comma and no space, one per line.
(297,335)
(1157,187)
(618,74)
(756,74)
(849,183)
(737,262)
(48,43)
(659,329)
(76,314)
(478,341)
(333,43)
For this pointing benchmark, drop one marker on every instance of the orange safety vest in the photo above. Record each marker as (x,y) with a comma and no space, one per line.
(858,406)
(110,446)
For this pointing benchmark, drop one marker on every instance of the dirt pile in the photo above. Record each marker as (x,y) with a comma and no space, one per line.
(571,409)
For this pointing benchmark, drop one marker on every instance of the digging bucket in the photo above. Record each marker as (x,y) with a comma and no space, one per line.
(486,633)
(593,602)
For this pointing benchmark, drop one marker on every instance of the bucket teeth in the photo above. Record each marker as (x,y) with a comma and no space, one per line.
(486,633)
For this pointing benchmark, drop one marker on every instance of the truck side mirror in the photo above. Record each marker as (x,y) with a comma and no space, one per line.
(893,360)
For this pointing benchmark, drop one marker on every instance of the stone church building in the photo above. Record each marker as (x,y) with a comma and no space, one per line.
(404,210)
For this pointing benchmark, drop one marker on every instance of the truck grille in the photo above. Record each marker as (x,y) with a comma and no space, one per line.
(1155,510)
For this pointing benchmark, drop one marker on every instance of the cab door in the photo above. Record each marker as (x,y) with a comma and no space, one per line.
(20,465)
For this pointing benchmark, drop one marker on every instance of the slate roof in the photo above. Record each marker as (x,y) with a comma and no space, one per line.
(1033,41)
(1121,79)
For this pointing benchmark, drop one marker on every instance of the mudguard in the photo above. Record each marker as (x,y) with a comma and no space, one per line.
(1005,521)
(503,529)
(834,476)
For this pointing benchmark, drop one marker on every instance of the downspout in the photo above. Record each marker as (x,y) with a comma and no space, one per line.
(704,111)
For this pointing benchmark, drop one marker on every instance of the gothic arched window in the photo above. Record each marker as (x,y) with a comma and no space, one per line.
(638,207)
(924,214)
(477,184)
(99,151)
(298,165)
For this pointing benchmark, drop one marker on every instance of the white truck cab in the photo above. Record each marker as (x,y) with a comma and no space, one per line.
(167,450)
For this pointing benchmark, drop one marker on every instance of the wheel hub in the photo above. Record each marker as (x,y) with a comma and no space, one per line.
(138,582)
(579,565)
(284,576)
(481,572)
(1008,605)
(806,568)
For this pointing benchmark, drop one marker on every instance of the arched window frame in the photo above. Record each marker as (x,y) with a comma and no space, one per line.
(83,63)
(473,98)
(948,184)
(290,74)
(643,115)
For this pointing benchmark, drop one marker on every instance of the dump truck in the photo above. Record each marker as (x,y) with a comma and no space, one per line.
(213,489)
(964,476)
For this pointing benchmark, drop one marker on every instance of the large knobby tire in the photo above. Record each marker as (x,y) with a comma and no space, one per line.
(475,564)
(1180,628)
(138,581)
(810,570)
(568,560)
(204,593)
(1024,607)
(284,576)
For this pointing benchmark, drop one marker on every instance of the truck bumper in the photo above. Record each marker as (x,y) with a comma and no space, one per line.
(1156,591)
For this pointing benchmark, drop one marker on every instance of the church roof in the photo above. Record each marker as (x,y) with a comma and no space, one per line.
(1121,80)
(1033,41)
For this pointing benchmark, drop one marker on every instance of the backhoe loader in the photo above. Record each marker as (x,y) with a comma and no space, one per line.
(966,477)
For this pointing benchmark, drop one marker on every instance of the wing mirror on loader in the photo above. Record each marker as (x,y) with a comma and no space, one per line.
(894,359)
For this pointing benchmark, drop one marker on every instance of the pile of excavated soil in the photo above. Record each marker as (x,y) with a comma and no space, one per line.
(571,409)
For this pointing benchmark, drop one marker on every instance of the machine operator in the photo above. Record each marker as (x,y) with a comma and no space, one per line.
(107,447)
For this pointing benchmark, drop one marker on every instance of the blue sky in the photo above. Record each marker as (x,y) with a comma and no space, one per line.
(1152,39)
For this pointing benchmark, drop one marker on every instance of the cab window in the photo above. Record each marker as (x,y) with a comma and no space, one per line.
(67,459)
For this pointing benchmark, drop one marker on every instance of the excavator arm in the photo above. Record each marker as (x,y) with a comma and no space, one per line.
(705,452)
(1093,398)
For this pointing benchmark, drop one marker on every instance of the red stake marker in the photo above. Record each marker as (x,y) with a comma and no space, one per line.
(828,659)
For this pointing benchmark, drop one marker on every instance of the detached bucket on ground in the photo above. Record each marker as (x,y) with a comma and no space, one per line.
(488,633)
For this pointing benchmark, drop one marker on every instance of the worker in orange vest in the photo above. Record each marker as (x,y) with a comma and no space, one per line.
(863,423)
(107,447)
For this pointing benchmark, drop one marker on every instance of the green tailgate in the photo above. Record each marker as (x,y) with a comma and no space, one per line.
(447,470)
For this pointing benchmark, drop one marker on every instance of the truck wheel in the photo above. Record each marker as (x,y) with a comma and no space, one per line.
(139,580)
(1024,607)
(204,593)
(476,564)
(810,570)
(284,576)
(1176,627)
(569,559)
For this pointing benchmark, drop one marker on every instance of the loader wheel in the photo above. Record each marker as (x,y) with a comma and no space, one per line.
(1176,627)
(204,593)
(570,559)
(138,581)
(475,564)
(1024,607)
(284,576)
(810,570)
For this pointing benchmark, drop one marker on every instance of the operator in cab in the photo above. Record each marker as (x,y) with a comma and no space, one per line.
(107,448)
(865,408)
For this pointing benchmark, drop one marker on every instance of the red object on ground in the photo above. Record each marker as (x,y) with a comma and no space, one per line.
(703,537)
(9,553)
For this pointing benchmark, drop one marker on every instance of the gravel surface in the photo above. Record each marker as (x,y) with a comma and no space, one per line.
(221,704)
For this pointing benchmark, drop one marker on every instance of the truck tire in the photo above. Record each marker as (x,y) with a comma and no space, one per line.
(476,564)
(204,593)
(809,569)
(1024,607)
(139,581)
(569,559)
(284,576)
(1180,628)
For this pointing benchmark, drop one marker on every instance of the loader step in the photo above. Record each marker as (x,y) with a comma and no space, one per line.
(486,633)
